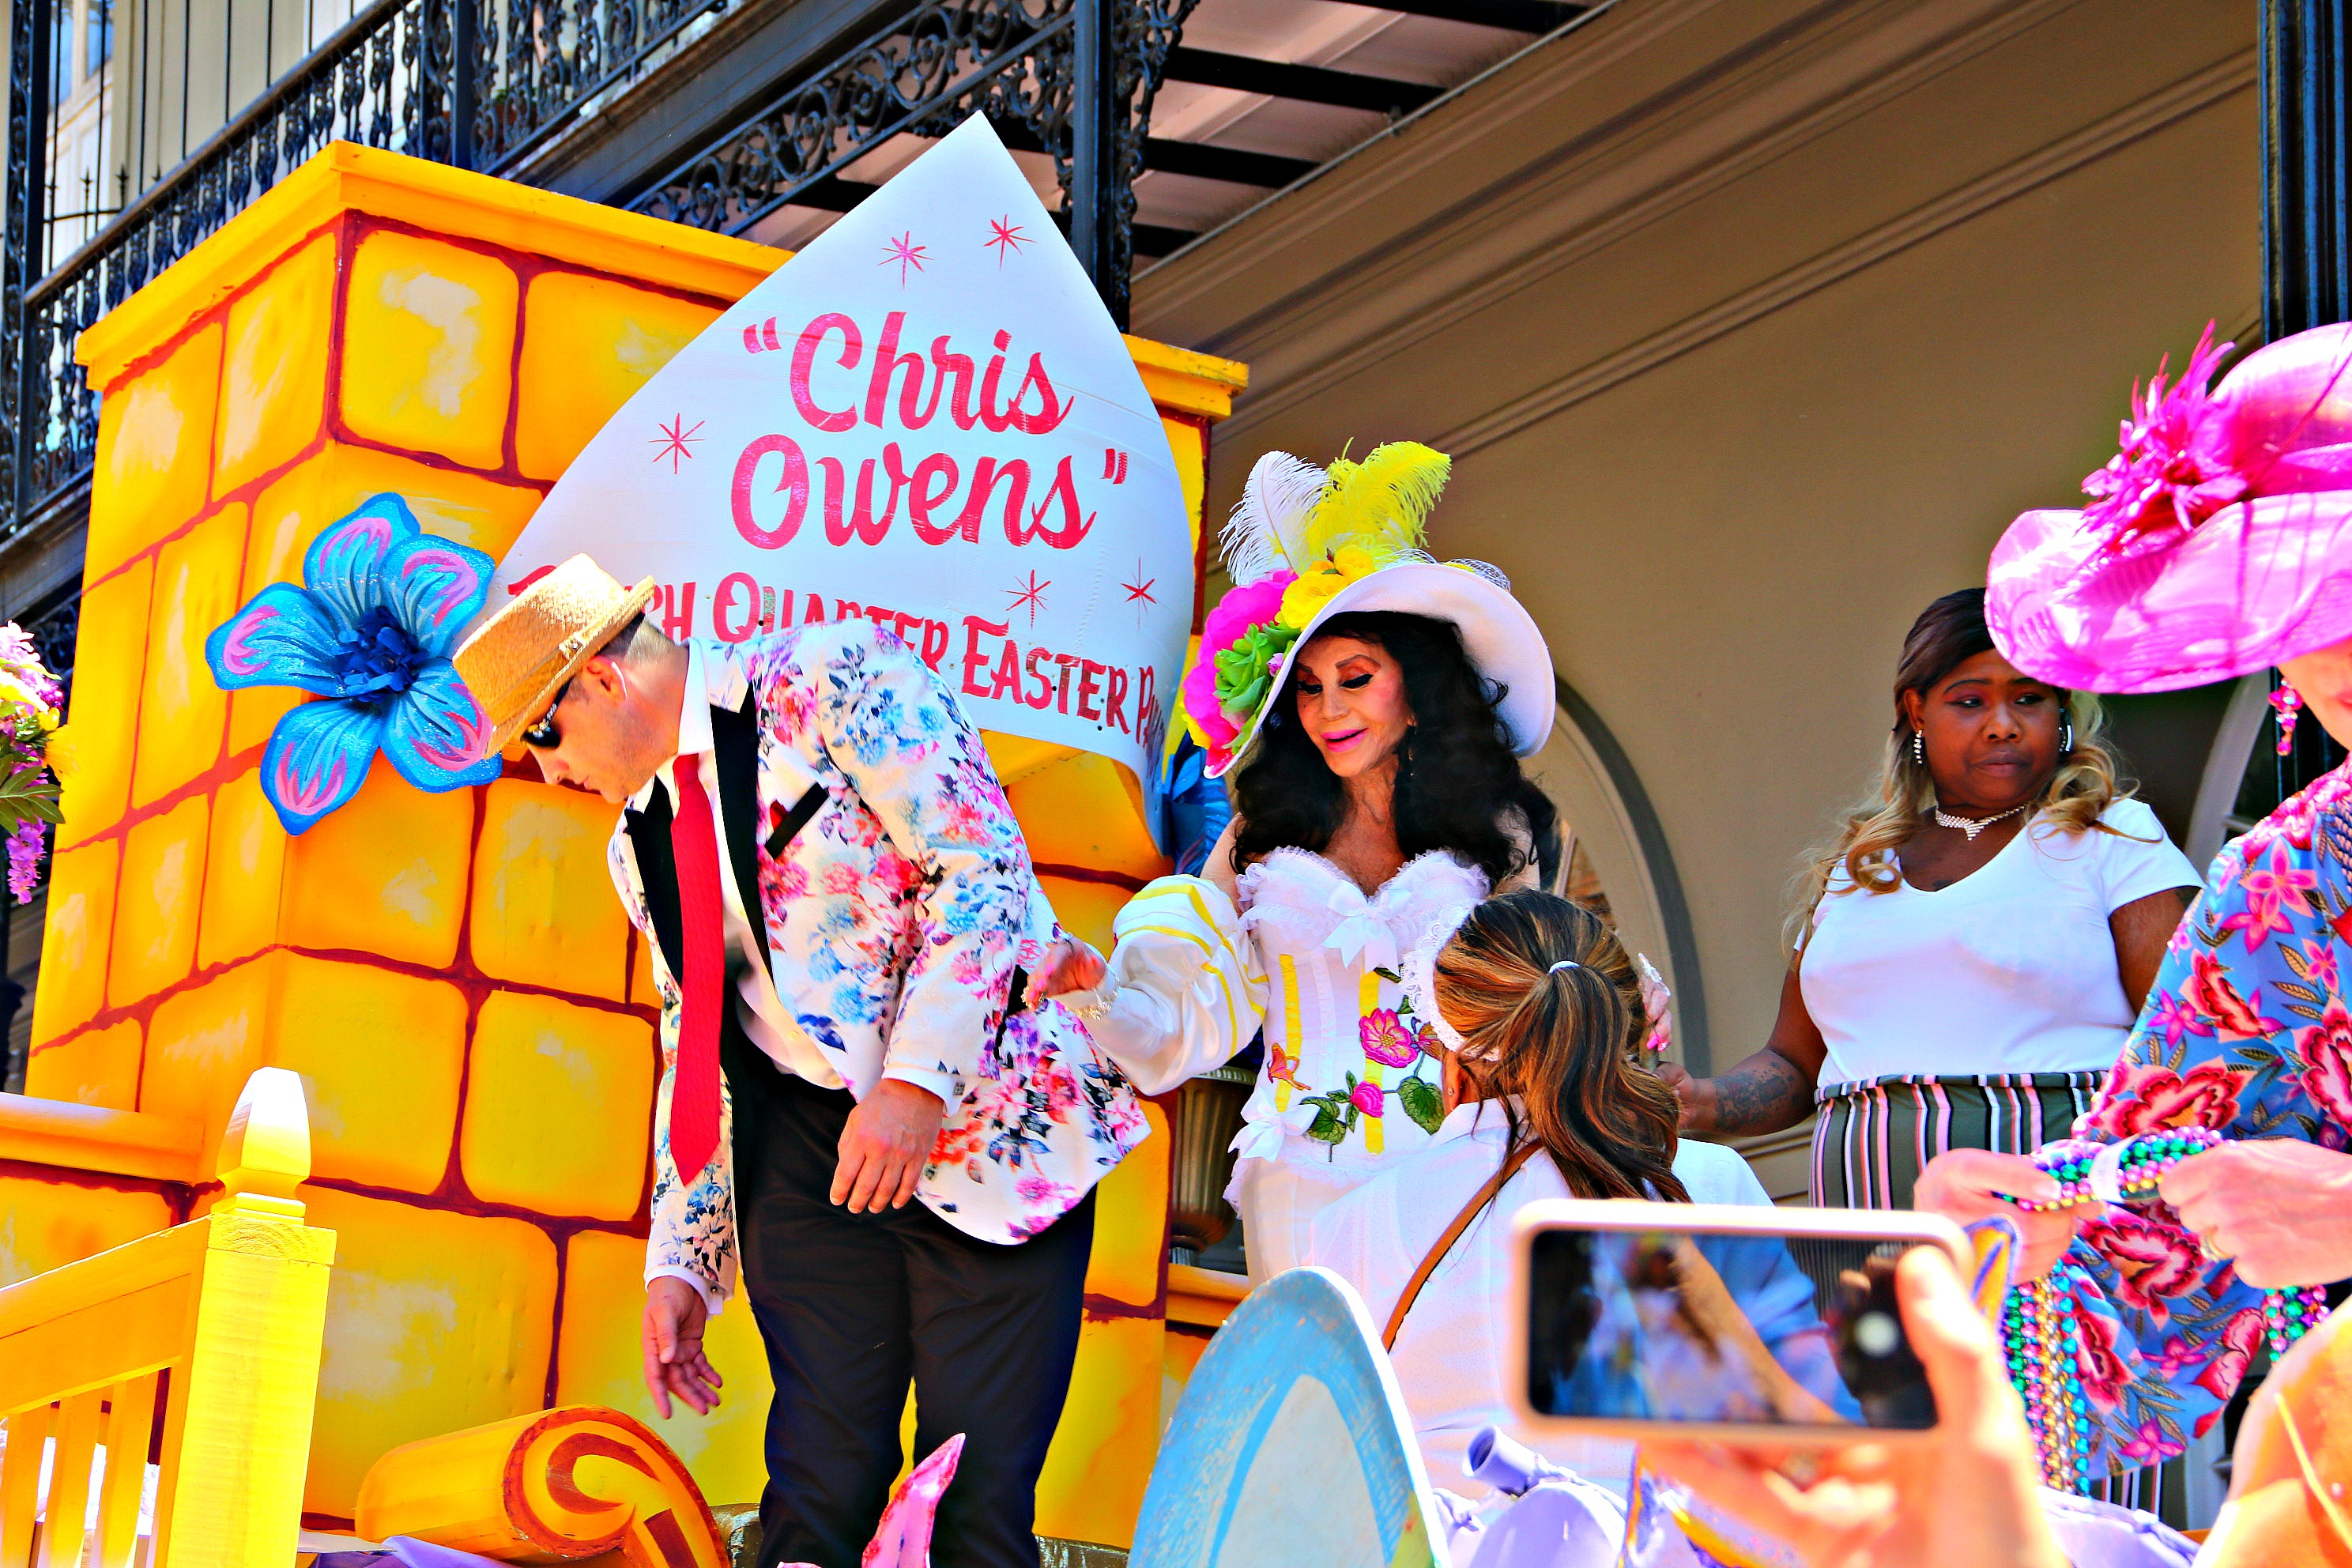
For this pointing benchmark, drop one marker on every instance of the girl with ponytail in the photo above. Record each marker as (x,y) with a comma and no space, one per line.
(1540,1025)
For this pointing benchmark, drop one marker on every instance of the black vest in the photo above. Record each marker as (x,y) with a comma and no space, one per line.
(735,749)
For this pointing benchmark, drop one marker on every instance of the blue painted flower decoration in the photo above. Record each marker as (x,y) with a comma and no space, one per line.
(370,630)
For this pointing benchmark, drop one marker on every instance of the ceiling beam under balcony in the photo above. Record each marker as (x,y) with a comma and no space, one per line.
(1204,162)
(835,194)
(1511,15)
(1303,84)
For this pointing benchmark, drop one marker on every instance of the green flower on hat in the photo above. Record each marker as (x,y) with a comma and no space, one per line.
(1246,668)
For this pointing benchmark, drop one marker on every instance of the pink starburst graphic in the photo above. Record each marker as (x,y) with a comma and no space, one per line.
(1032,597)
(676,441)
(1004,236)
(1139,592)
(906,253)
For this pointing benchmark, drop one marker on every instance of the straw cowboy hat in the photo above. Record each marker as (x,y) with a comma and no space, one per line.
(2219,540)
(1308,543)
(514,662)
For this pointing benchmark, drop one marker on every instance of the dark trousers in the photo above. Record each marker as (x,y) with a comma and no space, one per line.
(852,1305)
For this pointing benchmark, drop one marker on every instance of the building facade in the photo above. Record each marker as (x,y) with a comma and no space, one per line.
(1749,322)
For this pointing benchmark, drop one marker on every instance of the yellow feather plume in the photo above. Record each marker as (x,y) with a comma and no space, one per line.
(1381,504)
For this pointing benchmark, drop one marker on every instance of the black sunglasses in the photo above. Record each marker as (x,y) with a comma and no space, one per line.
(543,735)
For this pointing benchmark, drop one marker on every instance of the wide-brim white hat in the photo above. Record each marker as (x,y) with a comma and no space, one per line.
(1504,643)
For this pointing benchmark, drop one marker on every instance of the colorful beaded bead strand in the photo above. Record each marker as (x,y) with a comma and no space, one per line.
(2040,1337)
(2140,1165)
(2289,1314)
(2039,1328)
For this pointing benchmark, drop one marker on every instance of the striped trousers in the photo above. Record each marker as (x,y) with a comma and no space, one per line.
(1872,1137)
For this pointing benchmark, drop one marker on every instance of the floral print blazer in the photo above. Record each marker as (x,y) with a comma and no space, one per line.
(2245,1031)
(910,899)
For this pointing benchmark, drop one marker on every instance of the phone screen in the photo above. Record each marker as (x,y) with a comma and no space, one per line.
(1786,1330)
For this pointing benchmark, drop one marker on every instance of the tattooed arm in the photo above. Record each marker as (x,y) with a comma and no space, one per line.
(1770,1091)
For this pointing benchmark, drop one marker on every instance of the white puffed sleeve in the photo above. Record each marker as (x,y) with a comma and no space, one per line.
(1181,996)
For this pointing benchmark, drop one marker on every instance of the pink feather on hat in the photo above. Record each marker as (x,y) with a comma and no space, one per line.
(2219,539)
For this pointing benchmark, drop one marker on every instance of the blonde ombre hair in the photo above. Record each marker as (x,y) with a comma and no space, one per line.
(1948,634)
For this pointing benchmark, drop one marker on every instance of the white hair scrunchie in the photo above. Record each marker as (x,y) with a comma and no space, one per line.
(1418,971)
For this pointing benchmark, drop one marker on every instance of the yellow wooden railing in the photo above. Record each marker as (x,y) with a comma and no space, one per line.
(219,1320)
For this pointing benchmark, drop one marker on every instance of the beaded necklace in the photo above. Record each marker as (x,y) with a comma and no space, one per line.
(2139,1165)
(2039,1333)
(2039,1328)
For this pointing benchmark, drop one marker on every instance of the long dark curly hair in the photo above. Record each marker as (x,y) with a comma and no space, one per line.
(1456,778)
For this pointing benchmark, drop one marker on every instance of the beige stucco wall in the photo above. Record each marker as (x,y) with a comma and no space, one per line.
(1751,322)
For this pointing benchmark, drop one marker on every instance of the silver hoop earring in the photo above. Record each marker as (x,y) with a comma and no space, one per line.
(2066,739)
(1918,748)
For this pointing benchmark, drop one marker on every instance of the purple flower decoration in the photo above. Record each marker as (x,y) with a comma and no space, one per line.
(27,844)
(28,761)
(370,630)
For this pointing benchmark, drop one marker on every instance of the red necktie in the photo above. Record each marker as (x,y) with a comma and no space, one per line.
(694,1096)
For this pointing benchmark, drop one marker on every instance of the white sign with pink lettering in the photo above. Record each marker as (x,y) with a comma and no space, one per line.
(926,418)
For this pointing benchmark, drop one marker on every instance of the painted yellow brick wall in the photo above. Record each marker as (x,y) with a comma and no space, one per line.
(451,975)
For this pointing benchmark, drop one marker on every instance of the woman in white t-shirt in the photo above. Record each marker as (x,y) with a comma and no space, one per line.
(1975,943)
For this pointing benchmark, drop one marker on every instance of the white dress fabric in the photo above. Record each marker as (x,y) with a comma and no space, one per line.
(1316,960)
(1332,956)
(2010,969)
(1450,1353)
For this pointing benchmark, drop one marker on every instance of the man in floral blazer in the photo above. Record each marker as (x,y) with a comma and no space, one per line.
(844,1044)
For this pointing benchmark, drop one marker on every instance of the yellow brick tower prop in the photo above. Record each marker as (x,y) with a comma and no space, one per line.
(472,1018)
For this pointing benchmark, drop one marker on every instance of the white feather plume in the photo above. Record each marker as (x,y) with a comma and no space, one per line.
(1268,523)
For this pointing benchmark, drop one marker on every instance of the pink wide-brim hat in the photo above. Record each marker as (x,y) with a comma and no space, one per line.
(2220,540)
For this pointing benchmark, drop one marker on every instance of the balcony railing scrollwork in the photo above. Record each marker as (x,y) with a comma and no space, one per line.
(485,84)
(1031,66)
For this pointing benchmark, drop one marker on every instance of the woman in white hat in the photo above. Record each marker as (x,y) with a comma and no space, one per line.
(1371,704)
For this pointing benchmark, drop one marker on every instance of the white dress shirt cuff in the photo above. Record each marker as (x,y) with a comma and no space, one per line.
(712,1301)
(940,1084)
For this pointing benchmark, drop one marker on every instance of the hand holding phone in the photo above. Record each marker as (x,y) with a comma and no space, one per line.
(1965,1498)
(1726,1322)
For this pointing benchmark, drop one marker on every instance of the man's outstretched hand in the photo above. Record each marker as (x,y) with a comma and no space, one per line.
(885,1145)
(1070,965)
(674,1363)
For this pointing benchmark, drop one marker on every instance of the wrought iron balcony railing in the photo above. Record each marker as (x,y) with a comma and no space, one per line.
(485,84)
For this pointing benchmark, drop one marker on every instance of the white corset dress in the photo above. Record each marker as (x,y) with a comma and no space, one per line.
(1308,954)
(1346,1086)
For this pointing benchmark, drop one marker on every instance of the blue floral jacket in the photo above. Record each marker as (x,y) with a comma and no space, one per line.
(2245,1031)
(911,900)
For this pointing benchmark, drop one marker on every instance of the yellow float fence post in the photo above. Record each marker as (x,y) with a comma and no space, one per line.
(226,1313)
(236,1438)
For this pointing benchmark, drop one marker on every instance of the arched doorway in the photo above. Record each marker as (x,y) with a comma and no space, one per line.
(1613,857)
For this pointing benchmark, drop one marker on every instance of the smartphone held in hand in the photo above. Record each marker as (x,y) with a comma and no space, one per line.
(1772,1326)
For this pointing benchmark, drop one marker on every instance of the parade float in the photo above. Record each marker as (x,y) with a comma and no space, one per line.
(335,1136)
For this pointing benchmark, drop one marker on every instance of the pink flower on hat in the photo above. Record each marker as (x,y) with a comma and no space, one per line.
(2218,540)
(1246,607)
(2174,467)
